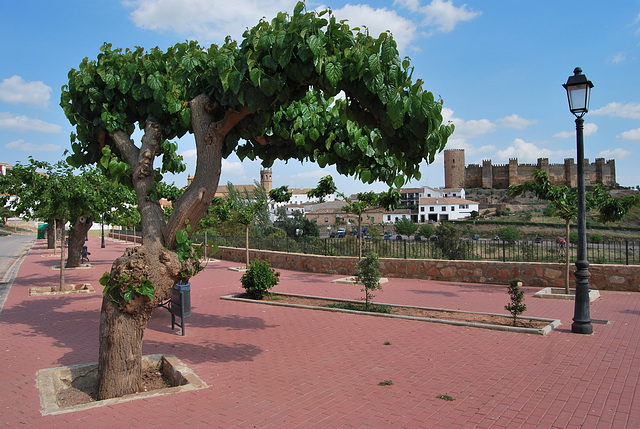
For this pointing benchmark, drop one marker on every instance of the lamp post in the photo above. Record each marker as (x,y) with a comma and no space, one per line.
(578,91)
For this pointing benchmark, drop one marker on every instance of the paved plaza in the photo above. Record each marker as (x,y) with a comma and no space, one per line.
(278,367)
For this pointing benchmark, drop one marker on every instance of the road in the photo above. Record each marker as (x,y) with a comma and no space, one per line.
(13,248)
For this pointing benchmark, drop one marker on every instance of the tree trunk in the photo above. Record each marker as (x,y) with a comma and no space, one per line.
(246,243)
(61,285)
(76,239)
(51,234)
(566,262)
(122,323)
(120,355)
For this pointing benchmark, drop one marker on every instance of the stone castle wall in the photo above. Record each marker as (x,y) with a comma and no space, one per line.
(488,175)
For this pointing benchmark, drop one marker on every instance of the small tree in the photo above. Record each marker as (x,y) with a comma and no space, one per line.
(449,241)
(426,230)
(405,226)
(326,186)
(516,307)
(368,272)
(510,234)
(259,278)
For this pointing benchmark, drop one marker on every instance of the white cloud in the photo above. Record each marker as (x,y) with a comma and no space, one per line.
(23,146)
(440,13)
(614,154)
(631,135)
(589,130)
(15,90)
(378,21)
(467,129)
(23,123)
(516,122)
(206,20)
(629,110)
(618,58)
(232,168)
(529,152)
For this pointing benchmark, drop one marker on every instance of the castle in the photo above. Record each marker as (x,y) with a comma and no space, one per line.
(487,175)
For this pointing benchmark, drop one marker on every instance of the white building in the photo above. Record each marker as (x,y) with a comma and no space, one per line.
(436,209)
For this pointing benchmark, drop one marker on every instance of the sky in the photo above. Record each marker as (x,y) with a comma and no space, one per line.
(497,65)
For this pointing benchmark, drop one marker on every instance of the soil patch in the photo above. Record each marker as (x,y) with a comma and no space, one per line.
(485,320)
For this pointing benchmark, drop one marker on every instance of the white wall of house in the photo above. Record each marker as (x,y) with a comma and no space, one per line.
(439,209)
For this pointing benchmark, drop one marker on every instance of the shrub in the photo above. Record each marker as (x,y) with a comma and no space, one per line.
(516,306)
(509,233)
(426,230)
(595,238)
(258,279)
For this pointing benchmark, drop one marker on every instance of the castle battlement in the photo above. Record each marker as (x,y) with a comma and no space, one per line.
(501,176)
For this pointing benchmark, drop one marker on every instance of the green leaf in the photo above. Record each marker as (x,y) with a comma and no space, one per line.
(182,236)
(104,279)
(255,75)
(128,295)
(299,7)
(189,63)
(314,134)
(315,44)
(333,73)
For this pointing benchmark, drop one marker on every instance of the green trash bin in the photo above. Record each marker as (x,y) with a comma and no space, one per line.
(42,230)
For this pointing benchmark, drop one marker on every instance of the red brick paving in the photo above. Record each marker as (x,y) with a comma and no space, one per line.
(274,367)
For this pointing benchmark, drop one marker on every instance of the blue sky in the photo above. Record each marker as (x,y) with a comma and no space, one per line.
(498,65)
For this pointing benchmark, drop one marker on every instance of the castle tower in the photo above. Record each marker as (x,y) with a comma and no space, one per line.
(265,179)
(454,168)
(513,171)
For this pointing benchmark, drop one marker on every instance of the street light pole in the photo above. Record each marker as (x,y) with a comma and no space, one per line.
(578,92)
(581,316)
(102,224)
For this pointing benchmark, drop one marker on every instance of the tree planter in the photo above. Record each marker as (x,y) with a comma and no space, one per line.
(502,322)
(68,289)
(54,382)
(560,293)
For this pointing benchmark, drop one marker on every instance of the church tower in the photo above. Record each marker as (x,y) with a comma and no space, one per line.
(265,179)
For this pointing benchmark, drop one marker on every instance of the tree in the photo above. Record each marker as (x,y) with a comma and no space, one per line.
(426,230)
(563,203)
(366,201)
(510,234)
(368,273)
(325,187)
(269,97)
(297,222)
(449,241)
(405,226)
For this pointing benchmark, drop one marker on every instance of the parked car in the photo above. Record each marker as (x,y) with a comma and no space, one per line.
(537,240)
(561,241)
(496,238)
(417,237)
(476,236)
(387,236)
(399,237)
(433,238)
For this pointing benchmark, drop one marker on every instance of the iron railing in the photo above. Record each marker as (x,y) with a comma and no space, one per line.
(609,251)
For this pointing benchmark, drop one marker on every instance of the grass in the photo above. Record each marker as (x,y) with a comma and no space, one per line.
(446,397)
(373,308)
(387,343)
(386,383)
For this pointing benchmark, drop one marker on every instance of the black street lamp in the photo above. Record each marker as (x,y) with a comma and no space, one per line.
(102,223)
(578,91)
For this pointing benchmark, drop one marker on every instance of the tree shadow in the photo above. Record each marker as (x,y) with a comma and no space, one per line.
(206,352)
(434,292)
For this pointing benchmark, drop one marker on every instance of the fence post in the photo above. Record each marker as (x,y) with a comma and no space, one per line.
(325,246)
(626,246)
(504,258)
(405,249)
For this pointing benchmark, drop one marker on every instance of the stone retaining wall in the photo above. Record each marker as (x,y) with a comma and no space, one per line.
(602,277)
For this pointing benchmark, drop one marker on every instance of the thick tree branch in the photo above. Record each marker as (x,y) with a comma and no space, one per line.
(210,135)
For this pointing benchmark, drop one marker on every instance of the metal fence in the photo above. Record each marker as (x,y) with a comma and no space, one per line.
(626,252)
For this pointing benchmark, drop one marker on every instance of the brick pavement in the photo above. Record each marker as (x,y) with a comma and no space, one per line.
(273,367)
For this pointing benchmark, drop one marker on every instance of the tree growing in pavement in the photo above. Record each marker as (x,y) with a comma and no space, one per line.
(563,201)
(269,96)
